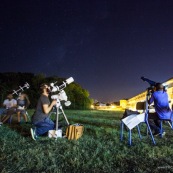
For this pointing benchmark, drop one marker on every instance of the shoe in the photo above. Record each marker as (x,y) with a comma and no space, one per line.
(156,133)
(33,134)
(1,123)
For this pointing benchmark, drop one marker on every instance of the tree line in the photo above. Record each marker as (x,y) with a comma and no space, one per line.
(10,81)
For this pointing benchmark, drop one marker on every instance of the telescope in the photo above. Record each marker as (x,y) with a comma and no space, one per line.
(61,96)
(153,83)
(55,88)
(26,85)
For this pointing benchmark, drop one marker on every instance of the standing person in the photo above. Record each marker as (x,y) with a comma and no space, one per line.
(10,107)
(22,104)
(40,118)
(162,109)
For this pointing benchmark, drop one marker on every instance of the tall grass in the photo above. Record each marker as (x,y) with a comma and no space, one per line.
(99,150)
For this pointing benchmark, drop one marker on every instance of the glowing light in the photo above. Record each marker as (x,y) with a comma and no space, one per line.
(92,106)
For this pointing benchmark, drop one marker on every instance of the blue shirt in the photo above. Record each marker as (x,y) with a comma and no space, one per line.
(161,103)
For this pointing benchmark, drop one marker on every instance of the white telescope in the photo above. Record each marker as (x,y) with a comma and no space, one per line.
(26,85)
(55,88)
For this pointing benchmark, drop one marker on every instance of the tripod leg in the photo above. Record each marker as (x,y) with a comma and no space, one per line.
(64,115)
(57,117)
(58,133)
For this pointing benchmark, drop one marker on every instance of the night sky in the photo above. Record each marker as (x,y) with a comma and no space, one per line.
(105,45)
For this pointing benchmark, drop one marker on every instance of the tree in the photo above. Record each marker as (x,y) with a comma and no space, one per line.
(75,93)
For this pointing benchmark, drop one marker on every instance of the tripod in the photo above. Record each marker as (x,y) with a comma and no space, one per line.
(146,116)
(61,96)
(59,110)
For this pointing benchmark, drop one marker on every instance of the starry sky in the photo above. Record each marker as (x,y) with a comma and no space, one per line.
(105,45)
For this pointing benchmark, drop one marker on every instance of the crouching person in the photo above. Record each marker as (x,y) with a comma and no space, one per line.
(40,118)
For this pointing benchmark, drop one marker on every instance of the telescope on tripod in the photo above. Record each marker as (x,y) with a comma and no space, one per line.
(26,85)
(61,96)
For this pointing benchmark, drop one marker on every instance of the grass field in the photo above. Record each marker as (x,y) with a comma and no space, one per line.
(99,150)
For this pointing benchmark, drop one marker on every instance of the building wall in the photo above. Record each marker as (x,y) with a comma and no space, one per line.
(123,103)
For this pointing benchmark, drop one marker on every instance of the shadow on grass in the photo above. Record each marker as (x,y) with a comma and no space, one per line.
(23,129)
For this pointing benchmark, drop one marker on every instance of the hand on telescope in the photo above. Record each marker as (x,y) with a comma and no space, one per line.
(48,108)
(53,102)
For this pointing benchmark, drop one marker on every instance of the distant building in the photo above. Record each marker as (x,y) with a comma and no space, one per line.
(107,106)
(123,103)
(99,104)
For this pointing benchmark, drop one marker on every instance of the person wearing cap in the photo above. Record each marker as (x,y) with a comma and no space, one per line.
(162,110)
(40,119)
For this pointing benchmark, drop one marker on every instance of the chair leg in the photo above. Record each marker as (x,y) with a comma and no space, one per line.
(139,133)
(172,124)
(149,129)
(130,137)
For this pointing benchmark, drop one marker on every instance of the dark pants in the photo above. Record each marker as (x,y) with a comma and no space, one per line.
(8,113)
(44,126)
(154,122)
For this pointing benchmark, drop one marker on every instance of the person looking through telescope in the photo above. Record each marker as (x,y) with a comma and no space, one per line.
(40,118)
(162,109)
